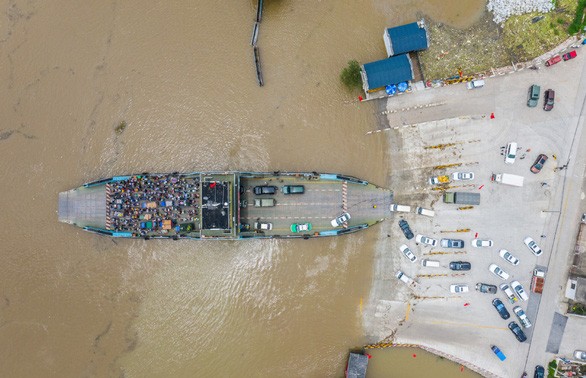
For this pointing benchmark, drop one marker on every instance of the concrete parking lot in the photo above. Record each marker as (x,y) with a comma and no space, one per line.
(546,208)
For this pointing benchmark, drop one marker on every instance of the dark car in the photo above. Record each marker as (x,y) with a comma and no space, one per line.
(539,372)
(533,96)
(406,229)
(500,307)
(517,331)
(265,189)
(460,265)
(293,189)
(452,243)
(486,288)
(549,99)
(539,162)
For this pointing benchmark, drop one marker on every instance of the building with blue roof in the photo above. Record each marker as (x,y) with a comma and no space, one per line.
(394,70)
(406,38)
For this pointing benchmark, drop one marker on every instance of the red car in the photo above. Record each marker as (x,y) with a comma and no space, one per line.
(553,60)
(549,100)
(538,165)
(571,55)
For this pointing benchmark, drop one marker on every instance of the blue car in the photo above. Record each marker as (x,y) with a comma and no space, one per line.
(498,353)
(500,307)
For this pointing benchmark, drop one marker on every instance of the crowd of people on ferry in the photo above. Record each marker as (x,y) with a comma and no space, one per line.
(142,204)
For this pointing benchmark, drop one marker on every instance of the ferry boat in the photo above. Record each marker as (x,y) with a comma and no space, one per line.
(225,205)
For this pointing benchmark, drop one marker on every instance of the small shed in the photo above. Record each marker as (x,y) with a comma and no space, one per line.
(377,75)
(406,38)
(357,364)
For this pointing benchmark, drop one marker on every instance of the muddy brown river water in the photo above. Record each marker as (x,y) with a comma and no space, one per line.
(181,75)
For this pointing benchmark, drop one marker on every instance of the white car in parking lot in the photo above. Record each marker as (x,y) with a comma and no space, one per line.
(407,252)
(509,293)
(530,243)
(522,317)
(508,257)
(481,243)
(516,286)
(459,288)
(497,271)
(425,240)
(462,176)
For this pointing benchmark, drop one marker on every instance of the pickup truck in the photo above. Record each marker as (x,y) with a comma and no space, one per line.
(537,281)
(439,180)
(507,179)
(464,198)
(406,279)
(264,202)
(553,60)
(498,353)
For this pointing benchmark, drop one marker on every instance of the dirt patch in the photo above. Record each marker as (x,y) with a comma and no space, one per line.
(471,50)
(486,45)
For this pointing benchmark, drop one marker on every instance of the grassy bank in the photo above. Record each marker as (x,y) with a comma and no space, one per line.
(485,45)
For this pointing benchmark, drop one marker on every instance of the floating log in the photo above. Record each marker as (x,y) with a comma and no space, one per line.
(259,11)
(257,64)
(254,34)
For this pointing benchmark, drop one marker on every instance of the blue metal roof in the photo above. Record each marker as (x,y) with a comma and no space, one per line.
(409,37)
(388,71)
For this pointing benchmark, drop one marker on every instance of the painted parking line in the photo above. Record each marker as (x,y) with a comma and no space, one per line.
(457,324)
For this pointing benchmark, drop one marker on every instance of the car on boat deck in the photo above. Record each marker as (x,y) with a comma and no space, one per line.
(263,226)
(301,227)
(340,220)
(264,189)
(293,189)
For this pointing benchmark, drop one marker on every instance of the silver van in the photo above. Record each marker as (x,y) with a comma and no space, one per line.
(511,153)
(430,263)
(401,208)
(426,212)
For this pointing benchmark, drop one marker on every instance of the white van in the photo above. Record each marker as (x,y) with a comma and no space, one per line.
(426,212)
(401,208)
(511,153)
(430,263)
(475,84)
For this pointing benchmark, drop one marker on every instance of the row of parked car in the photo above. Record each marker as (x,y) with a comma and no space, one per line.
(268,190)
(510,291)
(534,94)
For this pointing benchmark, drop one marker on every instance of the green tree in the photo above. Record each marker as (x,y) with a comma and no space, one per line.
(350,75)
